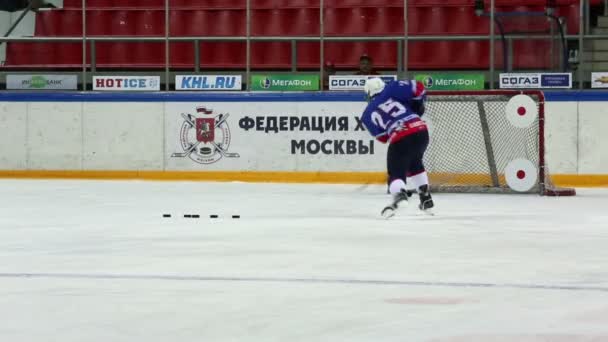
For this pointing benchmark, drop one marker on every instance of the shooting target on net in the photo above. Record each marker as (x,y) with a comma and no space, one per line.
(521,111)
(521,175)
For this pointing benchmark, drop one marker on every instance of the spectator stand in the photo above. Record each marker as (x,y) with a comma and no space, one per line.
(288,36)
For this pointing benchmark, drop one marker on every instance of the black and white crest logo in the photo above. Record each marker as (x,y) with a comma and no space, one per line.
(205,138)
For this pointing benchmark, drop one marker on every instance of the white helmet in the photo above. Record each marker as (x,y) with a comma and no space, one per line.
(374,86)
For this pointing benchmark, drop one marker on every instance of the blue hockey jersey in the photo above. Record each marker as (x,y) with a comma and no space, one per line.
(389,116)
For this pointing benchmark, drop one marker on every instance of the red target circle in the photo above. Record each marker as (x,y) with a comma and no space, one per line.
(521,111)
(521,174)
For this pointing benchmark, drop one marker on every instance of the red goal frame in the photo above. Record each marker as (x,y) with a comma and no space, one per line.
(546,187)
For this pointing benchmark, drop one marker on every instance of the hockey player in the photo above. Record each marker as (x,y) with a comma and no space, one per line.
(393,116)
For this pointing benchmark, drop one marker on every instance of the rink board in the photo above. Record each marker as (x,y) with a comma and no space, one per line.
(296,137)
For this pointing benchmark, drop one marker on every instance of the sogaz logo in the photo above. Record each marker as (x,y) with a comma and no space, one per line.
(354,82)
(348,82)
(520,80)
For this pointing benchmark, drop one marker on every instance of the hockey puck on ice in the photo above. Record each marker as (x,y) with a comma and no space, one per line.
(521,175)
(166,215)
(236,216)
(213,216)
(521,111)
(206,150)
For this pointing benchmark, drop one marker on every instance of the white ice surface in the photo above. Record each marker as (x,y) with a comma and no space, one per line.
(95,261)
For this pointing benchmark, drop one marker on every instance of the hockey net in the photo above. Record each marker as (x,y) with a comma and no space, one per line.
(477,144)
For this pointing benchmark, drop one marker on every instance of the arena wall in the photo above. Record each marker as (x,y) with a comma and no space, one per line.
(294,137)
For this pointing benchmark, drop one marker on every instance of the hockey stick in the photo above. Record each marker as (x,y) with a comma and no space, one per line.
(188,120)
(193,146)
(222,120)
(224,153)
(188,151)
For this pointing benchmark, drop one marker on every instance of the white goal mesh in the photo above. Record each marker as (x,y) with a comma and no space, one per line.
(479,145)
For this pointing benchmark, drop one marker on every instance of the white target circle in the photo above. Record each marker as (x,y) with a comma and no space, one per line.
(521,175)
(521,111)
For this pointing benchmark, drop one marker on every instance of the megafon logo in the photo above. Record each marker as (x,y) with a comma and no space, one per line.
(205,139)
(428,82)
(265,82)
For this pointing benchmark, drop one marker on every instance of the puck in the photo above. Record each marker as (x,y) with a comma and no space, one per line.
(213,216)
(206,150)
(166,215)
(236,216)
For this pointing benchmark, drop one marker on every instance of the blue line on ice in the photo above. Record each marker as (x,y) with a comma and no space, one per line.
(303,280)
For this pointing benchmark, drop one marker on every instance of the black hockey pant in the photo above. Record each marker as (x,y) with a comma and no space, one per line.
(404,157)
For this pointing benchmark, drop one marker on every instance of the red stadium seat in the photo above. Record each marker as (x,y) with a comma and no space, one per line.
(308,56)
(363,3)
(207,4)
(223,54)
(346,54)
(531,54)
(181,55)
(435,21)
(182,23)
(462,20)
(286,18)
(270,22)
(228,23)
(343,21)
(383,21)
(149,23)
(307,22)
(572,16)
(113,4)
(267,4)
(287,22)
(59,23)
(271,55)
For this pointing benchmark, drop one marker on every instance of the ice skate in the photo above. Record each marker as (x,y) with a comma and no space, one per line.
(426,200)
(389,211)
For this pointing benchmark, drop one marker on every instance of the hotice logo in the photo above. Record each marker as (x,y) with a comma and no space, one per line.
(121,82)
